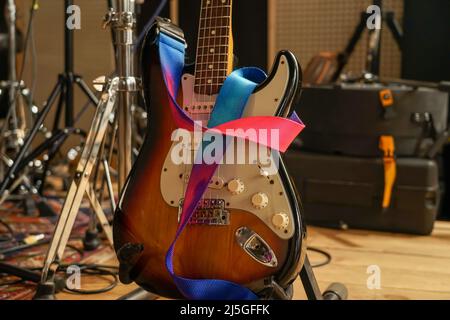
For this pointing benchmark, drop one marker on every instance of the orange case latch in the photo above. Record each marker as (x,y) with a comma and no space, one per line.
(387,145)
(386,98)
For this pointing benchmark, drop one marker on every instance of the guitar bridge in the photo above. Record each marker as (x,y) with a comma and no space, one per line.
(210,212)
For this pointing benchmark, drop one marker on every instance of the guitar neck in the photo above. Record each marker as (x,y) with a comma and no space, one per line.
(214,46)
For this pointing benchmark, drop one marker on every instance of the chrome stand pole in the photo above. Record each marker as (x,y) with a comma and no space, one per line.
(122,21)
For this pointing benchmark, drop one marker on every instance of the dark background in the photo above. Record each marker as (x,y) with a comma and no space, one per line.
(249,25)
(426,52)
(426,56)
(4,61)
(249,30)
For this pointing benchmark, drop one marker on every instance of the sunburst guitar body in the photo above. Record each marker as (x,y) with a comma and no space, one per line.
(248,227)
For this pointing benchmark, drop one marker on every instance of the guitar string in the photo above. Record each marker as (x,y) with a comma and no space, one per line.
(203,91)
(212,70)
(219,21)
(189,152)
(210,98)
(218,29)
(222,32)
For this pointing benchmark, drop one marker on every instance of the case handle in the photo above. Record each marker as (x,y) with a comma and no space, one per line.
(387,145)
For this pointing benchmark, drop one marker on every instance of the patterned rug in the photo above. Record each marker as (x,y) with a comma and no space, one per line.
(11,288)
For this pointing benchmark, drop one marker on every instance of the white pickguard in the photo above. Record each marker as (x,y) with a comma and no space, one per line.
(263,103)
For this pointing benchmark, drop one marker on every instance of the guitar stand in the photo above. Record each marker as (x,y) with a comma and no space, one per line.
(336,291)
(273,291)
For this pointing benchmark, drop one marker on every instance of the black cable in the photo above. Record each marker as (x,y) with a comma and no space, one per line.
(78,250)
(87,269)
(95,270)
(322,252)
(8,228)
(6,253)
(10,283)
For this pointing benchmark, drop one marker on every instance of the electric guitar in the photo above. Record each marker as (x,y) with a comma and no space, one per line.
(248,228)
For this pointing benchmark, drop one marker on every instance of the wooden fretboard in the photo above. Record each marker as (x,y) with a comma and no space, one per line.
(214,46)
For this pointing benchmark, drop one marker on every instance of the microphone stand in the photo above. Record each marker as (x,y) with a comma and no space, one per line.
(63,92)
(117,98)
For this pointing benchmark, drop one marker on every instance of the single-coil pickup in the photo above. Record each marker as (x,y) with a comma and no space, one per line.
(199,108)
(215,182)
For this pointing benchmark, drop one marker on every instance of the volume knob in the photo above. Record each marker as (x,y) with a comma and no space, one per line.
(260,200)
(280,221)
(236,186)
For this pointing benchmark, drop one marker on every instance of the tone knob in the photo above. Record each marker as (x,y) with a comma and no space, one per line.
(280,220)
(260,200)
(236,186)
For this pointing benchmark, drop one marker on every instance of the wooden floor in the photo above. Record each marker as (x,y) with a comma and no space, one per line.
(412,267)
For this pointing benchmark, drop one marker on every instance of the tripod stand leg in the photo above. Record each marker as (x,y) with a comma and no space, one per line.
(85,88)
(109,184)
(77,190)
(16,183)
(96,206)
(12,171)
(395,28)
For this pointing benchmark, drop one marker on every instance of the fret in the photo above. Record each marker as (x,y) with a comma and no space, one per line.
(207,91)
(212,23)
(205,76)
(222,45)
(212,59)
(215,54)
(215,6)
(215,17)
(208,20)
(216,65)
(219,51)
(212,65)
(207,30)
(221,40)
(214,80)
(208,77)
(207,84)
(214,31)
(215,12)
(213,37)
(216,2)
(206,73)
(216,84)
